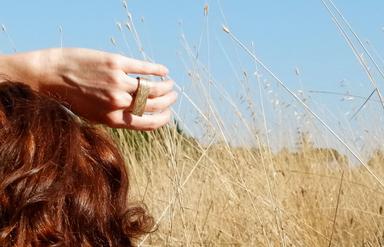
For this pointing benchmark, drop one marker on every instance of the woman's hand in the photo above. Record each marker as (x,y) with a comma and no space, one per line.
(96,85)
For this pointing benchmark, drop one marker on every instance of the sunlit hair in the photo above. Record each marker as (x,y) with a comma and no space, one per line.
(63,182)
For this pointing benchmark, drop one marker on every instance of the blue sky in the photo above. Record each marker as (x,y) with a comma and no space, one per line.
(286,35)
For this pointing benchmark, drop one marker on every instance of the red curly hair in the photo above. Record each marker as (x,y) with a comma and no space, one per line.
(63,181)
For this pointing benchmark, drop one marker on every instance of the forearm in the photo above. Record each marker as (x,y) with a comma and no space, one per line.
(22,67)
(6,72)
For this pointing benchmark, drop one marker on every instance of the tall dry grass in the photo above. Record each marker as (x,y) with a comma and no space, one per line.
(232,186)
(209,195)
(251,178)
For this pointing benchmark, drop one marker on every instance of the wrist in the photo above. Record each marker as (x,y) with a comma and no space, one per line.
(6,72)
(22,67)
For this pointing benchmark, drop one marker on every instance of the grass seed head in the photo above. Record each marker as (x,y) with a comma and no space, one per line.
(206,9)
(128,26)
(226,29)
(113,41)
(119,26)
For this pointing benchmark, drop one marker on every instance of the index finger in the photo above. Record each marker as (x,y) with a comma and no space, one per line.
(134,66)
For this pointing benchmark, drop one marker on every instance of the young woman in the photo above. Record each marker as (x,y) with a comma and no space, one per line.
(63,181)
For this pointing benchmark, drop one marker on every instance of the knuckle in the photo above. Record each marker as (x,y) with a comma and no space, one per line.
(114,100)
(111,100)
(156,91)
(114,78)
(160,105)
(156,107)
(104,96)
(151,108)
(112,61)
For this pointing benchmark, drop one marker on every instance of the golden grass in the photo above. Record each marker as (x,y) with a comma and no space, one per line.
(215,196)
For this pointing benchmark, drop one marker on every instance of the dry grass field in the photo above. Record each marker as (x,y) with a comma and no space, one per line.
(267,169)
(216,193)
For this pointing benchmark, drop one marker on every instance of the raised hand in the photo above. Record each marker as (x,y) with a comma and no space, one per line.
(96,85)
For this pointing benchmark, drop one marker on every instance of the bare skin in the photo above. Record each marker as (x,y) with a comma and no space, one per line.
(94,84)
